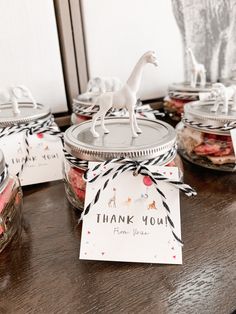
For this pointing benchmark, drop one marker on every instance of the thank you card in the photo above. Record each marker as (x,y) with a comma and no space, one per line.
(128,222)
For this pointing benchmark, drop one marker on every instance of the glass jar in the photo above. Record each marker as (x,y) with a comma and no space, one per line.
(179,95)
(158,140)
(203,138)
(10,205)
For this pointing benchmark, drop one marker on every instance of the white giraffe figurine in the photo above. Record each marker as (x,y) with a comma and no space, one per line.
(126,97)
(12,94)
(197,69)
(222,95)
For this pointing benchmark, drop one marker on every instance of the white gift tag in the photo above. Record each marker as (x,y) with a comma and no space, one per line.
(129,223)
(45,159)
(233,136)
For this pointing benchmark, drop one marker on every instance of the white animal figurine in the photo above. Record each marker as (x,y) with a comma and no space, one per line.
(126,97)
(12,94)
(103,84)
(222,95)
(197,69)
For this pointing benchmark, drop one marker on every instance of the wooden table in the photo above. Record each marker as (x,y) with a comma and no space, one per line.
(42,273)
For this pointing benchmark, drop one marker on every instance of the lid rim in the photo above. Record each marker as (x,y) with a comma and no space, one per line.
(115,154)
(87,152)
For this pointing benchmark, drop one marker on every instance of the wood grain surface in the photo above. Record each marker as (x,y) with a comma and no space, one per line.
(41,271)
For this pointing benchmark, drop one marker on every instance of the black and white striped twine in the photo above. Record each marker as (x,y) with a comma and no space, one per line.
(183,96)
(226,127)
(90,110)
(137,167)
(4,175)
(151,162)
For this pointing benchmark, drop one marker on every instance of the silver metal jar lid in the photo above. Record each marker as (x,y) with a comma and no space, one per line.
(200,112)
(27,113)
(156,139)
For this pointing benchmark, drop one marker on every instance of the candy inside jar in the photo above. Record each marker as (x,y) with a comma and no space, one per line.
(204,139)
(158,140)
(78,118)
(10,205)
(75,184)
(174,107)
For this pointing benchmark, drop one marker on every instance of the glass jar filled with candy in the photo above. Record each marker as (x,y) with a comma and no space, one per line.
(10,205)
(179,95)
(156,143)
(204,136)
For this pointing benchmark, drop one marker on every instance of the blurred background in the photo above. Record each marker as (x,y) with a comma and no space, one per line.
(54,47)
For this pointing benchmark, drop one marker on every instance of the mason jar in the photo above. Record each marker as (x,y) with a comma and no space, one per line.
(181,94)
(158,140)
(204,136)
(10,205)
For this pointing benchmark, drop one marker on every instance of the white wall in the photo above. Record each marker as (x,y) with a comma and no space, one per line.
(118,32)
(29,50)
